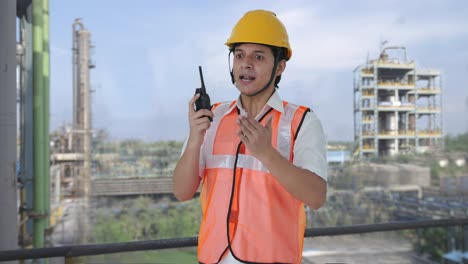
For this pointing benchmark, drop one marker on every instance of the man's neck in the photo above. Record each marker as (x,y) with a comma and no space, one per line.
(254,104)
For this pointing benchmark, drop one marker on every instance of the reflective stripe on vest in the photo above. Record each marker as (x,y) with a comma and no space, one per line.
(245,209)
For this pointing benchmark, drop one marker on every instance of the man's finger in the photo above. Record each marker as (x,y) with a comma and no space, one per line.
(196,115)
(201,113)
(192,102)
(247,124)
(254,123)
(242,136)
(202,120)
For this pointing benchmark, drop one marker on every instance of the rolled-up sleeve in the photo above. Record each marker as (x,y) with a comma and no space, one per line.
(201,163)
(310,148)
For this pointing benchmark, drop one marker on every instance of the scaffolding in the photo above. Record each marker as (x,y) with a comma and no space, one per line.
(397,107)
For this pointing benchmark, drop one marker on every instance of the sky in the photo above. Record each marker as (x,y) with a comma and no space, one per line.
(147,55)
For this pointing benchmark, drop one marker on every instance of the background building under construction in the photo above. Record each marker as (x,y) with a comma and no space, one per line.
(397,106)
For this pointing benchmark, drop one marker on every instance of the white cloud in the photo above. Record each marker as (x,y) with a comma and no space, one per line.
(341,42)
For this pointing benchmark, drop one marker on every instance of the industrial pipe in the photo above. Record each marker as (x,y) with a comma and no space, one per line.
(39,211)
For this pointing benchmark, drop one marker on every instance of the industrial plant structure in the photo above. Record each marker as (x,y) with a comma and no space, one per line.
(397,106)
(65,155)
(71,149)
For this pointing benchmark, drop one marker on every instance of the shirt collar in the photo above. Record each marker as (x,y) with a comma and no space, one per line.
(274,102)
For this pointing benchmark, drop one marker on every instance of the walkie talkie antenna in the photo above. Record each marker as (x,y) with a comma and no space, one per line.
(203,101)
(202,89)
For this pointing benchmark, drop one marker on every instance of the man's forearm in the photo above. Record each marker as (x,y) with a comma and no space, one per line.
(301,183)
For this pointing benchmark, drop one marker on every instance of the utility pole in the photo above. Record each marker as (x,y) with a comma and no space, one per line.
(8,199)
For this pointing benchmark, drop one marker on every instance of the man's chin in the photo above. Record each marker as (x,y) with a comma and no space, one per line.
(248,93)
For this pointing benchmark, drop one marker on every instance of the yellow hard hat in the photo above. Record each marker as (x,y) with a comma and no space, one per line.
(260,27)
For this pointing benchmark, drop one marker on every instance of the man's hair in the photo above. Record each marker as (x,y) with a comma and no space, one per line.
(282,53)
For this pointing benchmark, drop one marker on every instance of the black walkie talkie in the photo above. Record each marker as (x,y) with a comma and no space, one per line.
(203,102)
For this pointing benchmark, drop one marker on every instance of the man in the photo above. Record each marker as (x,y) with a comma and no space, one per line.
(260,159)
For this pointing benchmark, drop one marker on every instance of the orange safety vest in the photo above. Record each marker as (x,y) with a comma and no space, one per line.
(245,209)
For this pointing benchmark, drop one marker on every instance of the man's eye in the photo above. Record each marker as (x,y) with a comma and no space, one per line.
(238,56)
(259,57)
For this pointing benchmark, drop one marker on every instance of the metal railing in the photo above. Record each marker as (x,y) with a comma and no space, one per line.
(109,248)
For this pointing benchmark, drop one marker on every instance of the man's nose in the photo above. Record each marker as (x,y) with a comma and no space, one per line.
(247,63)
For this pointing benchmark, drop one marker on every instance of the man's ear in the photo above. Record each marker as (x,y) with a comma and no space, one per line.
(281,67)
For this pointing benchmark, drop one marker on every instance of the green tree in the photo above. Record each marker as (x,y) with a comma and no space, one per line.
(457,143)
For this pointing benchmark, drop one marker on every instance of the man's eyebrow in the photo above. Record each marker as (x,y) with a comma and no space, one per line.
(256,51)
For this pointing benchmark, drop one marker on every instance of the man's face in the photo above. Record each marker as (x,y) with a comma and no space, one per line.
(252,67)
